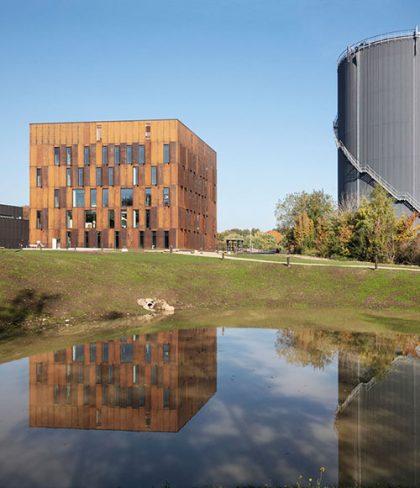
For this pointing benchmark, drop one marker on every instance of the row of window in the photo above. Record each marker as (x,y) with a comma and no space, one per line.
(126,353)
(105,150)
(99,175)
(90,219)
(126,197)
(117,243)
(117,396)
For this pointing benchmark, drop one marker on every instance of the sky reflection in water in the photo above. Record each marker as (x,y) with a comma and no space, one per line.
(199,407)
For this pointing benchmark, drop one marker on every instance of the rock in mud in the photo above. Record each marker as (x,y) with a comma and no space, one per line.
(156,305)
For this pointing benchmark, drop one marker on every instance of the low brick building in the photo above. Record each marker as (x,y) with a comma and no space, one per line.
(14,226)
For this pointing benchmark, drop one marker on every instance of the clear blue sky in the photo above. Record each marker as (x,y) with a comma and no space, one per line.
(256,79)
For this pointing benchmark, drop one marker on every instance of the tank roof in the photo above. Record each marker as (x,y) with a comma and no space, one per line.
(379,39)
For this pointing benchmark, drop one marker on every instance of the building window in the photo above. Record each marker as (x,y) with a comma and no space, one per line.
(110,176)
(147,219)
(80,176)
(105,198)
(126,197)
(142,397)
(136,372)
(86,238)
(56,156)
(38,219)
(166,153)
(69,219)
(90,219)
(136,218)
(154,175)
(129,154)
(56,198)
(93,197)
(123,219)
(41,373)
(126,352)
(38,178)
(166,352)
(86,155)
(117,155)
(68,176)
(98,176)
(166,197)
(105,352)
(68,156)
(153,239)
(166,239)
(148,197)
(78,353)
(154,375)
(166,397)
(111,219)
(98,240)
(141,154)
(92,352)
(78,198)
(135,175)
(104,155)
(147,353)
(141,239)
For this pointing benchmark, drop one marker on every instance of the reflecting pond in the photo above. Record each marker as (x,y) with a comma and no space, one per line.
(214,406)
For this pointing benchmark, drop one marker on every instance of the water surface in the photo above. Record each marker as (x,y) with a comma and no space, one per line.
(211,406)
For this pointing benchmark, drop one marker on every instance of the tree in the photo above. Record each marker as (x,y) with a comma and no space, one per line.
(374,226)
(317,205)
(303,232)
(262,241)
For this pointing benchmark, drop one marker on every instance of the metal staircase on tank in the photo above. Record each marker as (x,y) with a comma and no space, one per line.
(405,198)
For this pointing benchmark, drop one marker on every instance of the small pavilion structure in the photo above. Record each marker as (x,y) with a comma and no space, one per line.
(234,244)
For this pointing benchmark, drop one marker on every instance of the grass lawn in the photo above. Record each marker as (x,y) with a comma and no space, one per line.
(85,286)
(313,259)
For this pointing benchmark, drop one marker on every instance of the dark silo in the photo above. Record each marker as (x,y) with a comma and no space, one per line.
(377,128)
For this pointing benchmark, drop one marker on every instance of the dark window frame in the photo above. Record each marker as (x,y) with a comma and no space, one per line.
(86,155)
(126,197)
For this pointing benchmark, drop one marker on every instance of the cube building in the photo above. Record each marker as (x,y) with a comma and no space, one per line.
(134,184)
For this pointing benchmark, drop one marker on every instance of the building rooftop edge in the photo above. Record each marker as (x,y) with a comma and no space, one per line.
(125,120)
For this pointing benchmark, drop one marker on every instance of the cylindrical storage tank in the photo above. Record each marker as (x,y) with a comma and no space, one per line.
(378,123)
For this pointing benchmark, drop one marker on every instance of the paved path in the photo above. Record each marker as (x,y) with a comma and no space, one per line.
(298,263)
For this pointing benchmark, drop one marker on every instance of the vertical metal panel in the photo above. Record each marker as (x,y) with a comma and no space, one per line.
(123,154)
(172,152)
(74,158)
(111,154)
(92,154)
(135,153)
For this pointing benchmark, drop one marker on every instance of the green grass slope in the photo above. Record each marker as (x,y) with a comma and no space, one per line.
(69,284)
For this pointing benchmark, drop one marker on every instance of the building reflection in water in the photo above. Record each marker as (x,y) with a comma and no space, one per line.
(378,423)
(378,413)
(155,382)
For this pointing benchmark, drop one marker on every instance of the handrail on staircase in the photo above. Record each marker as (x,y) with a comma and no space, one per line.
(365,168)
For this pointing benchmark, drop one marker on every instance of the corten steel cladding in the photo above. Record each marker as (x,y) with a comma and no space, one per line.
(82,172)
(379,118)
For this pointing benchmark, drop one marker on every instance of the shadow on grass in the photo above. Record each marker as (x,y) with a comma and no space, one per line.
(112,315)
(394,323)
(26,304)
